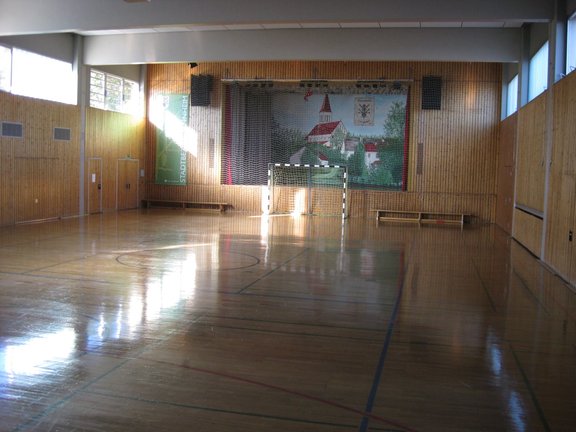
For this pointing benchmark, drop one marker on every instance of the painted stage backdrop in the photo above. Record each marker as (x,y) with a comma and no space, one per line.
(365,131)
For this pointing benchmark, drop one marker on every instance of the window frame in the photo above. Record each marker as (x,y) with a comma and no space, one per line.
(571,44)
(56,84)
(125,100)
(538,84)
(512,96)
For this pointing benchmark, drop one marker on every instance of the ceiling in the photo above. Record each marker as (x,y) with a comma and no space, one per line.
(145,31)
(303,25)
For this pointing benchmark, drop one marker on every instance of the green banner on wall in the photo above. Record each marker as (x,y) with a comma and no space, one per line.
(170,116)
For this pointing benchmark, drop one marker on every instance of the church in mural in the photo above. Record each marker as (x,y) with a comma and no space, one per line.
(331,135)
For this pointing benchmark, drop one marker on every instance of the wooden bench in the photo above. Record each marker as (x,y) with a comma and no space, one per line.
(421,217)
(220,206)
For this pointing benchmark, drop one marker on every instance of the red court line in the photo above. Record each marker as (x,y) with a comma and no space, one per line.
(288,391)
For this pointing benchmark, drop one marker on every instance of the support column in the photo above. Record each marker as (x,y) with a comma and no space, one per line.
(82,76)
(556,68)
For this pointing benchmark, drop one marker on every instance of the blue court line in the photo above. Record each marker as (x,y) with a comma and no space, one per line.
(34,420)
(380,367)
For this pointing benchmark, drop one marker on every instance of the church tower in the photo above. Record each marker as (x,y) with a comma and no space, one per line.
(326,111)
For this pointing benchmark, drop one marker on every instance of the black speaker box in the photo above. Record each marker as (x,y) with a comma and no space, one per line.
(200,88)
(431,93)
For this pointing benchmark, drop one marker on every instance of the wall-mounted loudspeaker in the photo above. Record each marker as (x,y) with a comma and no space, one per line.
(431,92)
(200,88)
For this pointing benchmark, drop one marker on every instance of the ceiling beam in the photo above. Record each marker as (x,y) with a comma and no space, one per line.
(470,44)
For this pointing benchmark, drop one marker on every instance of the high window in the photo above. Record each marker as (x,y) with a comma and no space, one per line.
(512,96)
(28,74)
(113,93)
(571,45)
(538,78)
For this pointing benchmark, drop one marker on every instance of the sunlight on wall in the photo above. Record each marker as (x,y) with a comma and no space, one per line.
(184,136)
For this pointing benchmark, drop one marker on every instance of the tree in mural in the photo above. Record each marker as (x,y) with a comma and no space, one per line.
(391,154)
(357,162)
(285,142)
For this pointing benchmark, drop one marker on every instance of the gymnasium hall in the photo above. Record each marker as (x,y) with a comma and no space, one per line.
(305,216)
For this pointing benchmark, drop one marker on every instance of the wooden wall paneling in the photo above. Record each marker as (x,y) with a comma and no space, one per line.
(528,231)
(460,140)
(460,156)
(25,190)
(7,216)
(506,173)
(94,185)
(39,174)
(127,184)
(38,189)
(111,136)
(68,116)
(357,204)
(244,198)
(559,250)
(530,169)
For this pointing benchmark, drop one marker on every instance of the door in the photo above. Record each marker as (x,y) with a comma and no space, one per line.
(94,185)
(127,184)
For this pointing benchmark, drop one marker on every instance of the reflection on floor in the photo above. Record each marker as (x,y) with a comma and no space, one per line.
(168,320)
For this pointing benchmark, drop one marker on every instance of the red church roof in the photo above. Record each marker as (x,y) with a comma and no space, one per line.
(326,105)
(324,128)
(370,147)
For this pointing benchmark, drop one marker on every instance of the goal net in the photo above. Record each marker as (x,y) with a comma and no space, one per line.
(307,189)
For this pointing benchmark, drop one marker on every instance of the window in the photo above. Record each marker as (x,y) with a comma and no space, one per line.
(42,77)
(538,78)
(512,96)
(5,68)
(113,93)
(571,45)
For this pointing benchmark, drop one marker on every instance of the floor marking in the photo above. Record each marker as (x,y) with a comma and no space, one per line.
(285,390)
(219,410)
(312,298)
(526,287)
(289,323)
(380,367)
(484,286)
(288,333)
(35,419)
(531,391)
(265,275)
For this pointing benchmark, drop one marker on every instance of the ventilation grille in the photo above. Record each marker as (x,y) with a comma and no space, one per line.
(10,129)
(62,134)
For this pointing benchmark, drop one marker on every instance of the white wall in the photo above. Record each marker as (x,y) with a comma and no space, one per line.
(58,46)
